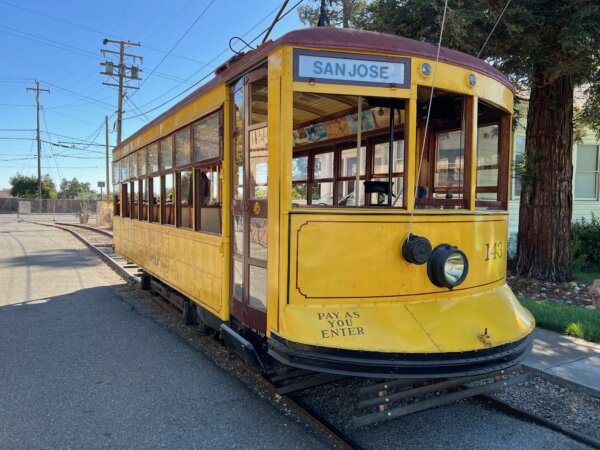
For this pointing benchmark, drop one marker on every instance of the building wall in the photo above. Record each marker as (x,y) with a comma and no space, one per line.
(585,176)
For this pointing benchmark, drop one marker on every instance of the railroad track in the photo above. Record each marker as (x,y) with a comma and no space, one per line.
(288,386)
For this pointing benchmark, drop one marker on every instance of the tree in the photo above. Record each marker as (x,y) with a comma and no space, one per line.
(339,12)
(547,48)
(74,189)
(24,186)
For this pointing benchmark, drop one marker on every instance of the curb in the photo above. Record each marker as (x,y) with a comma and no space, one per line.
(581,388)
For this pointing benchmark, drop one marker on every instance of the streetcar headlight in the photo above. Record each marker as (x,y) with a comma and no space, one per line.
(448,266)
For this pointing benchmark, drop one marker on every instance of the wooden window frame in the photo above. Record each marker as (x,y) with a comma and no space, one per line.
(337,148)
(179,196)
(125,200)
(198,206)
(163,198)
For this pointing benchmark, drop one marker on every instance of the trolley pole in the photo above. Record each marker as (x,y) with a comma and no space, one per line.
(37,135)
(124,72)
(107,164)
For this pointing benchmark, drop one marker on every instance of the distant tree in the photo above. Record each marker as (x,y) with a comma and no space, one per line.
(75,189)
(24,186)
(340,12)
(547,47)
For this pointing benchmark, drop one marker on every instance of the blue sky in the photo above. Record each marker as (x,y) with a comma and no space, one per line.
(58,42)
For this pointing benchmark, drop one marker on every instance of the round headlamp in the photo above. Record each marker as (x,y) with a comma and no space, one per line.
(448,266)
(416,249)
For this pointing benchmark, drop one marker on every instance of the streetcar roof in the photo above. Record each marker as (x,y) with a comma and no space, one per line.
(333,38)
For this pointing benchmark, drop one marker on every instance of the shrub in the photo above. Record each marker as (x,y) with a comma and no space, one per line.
(586,245)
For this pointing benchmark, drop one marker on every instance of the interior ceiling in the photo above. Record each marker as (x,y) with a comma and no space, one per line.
(307,107)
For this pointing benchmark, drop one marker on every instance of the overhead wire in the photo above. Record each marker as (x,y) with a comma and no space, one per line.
(493,28)
(199,70)
(87,28)
(202,68)
(58,172)
(185,33)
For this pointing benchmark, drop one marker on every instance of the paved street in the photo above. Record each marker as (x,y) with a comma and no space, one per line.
(81,368)
(87,361)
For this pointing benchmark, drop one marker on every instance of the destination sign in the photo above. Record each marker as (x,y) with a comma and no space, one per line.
(344,68)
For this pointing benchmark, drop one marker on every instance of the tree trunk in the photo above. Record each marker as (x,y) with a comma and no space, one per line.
(544,240)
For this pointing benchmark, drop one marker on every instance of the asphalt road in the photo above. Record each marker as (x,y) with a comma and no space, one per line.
(81,368)
(87,361)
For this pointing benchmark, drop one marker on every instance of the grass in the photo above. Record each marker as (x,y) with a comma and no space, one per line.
(565,319)
(586,277)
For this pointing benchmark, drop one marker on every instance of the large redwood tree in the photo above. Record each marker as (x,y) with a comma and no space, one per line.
(547,47)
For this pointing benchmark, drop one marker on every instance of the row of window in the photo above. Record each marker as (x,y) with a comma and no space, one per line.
(200,142)
(327,177)
(187,199)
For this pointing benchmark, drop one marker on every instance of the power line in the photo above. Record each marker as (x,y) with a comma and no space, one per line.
(58,172)
(178,41)
(202,68)
(84,27)
(7,138)
(493,28)
(17,129)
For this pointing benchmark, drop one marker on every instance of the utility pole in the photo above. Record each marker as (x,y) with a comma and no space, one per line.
(107,175)
(37,136)
(124,72)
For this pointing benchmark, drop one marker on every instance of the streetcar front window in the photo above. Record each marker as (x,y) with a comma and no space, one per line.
(327,163)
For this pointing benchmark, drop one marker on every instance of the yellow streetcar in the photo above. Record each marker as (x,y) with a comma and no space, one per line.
(334,200)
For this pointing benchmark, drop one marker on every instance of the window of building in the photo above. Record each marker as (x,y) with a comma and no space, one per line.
(519,153)
(586,172)
(185,199)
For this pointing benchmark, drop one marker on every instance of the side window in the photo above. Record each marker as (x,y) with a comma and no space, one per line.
(124,200)
(144,199)
(207,153)
(208,199)
(168,197)
(185,199)
(134,204)
(488,163)
(155,199)
(116,174)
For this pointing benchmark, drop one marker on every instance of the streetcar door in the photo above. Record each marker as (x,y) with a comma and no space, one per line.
(249,200)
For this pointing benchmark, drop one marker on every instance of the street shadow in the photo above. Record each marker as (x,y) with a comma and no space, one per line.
(61,258)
